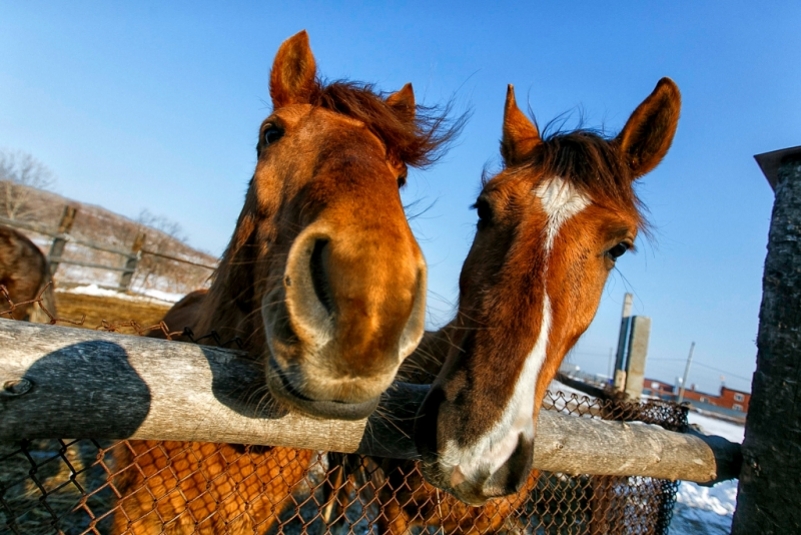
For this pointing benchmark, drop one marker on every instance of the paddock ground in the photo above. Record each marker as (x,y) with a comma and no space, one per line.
(117,311)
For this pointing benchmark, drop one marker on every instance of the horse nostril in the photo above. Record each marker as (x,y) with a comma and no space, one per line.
(319,275)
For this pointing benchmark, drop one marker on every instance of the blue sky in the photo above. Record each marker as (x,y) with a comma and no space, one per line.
(148,105)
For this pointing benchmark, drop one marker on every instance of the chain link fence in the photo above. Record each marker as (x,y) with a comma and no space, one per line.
(77,487)
(85,486)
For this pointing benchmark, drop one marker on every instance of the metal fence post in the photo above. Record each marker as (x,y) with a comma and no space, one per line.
(60,241)
(770,481)
(132,261)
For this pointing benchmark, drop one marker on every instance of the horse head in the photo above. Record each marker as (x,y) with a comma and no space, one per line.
(323,274)
(551,225)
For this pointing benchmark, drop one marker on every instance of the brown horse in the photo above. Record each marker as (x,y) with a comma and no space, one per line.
(25,274)
(551,226)
(323,280)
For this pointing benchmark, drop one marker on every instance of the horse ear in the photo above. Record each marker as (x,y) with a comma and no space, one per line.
(293,76)
(648,133)
(402,102)
(520,135)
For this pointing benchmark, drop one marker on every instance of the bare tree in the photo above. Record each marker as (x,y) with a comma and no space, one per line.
(163,242)
(163,224)
(20,175)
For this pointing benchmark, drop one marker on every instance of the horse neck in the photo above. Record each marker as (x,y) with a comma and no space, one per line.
(223,316)
(232,308)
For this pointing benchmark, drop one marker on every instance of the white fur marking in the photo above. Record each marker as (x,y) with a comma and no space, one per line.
(494,448)
(561,201)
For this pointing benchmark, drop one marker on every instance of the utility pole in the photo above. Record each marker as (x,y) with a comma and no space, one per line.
(686,373)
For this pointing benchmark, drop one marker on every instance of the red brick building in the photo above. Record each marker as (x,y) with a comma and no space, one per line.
(728,398)
(734,399)
(657,388)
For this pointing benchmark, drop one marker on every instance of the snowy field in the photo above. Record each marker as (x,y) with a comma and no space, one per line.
(699,510)
(148,295)
(703,510)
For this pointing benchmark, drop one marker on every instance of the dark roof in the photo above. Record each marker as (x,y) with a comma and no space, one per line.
(770,162)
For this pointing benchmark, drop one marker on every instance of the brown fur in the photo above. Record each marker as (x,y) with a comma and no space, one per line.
(25,273)
(500,304)
(204,489)
(333,177)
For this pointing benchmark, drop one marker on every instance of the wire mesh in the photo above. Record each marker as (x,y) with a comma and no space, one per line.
(77,487)
(85,486)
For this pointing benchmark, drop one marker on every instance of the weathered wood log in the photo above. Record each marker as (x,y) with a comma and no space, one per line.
(64,382)
(770,487)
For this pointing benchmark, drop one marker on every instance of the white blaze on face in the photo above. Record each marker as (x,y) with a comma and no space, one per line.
(560,202)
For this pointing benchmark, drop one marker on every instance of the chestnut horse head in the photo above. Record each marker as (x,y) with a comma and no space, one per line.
(323,276)
(551,226)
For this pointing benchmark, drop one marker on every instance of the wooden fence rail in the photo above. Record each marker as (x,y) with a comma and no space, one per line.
(63,382)
(130,258)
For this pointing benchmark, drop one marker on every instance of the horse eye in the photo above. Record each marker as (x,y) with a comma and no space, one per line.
(618,250)
(484,211)
(272,134)
(401,181)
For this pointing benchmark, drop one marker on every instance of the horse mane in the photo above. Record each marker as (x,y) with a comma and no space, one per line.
(419,141)
(588,160)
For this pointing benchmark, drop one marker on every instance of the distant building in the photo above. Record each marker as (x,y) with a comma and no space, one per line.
(730,400)
(657,388)
(734,399)
(691,394)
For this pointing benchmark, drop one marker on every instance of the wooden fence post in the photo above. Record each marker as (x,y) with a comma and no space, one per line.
(770,481)
(132,261)
(60,241)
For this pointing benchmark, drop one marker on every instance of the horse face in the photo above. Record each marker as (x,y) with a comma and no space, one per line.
(551,226)
(340,278)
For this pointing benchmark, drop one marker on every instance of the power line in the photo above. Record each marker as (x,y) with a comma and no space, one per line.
(726,372)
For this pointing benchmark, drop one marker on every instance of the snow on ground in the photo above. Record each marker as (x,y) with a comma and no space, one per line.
(713,426)
(556,386)
(149,295)
(704,510)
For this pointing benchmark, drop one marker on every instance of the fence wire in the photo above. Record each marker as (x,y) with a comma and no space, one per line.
(77,487)
(85,486)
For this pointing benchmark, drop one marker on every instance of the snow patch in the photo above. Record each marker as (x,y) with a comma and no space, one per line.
(147,296)
(713,426)
(720,499)
(705,510)
(556,386)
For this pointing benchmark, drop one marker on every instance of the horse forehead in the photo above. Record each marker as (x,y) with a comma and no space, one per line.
(327,126)
(560,199)
(316,116)
(340,119)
